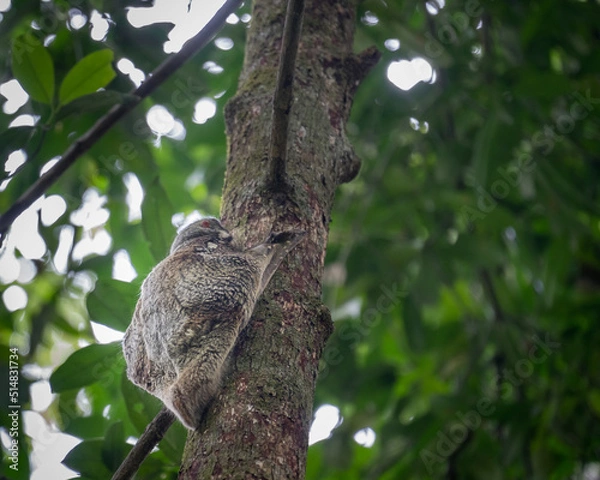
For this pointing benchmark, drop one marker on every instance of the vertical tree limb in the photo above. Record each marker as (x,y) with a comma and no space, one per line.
(283,97)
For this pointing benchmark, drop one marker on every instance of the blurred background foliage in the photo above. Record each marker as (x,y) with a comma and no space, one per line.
(463,269)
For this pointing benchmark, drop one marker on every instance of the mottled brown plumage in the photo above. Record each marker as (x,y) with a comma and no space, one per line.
(192,307)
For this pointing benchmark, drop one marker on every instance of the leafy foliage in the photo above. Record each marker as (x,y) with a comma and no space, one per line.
(463,270)
(92,72)
(33,67)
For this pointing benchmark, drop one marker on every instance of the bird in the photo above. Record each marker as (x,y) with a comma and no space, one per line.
(192,308)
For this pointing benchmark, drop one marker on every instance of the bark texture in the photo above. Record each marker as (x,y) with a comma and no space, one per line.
(257,427)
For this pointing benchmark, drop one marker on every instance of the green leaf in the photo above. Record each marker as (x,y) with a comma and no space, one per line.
(13,139)
(156,220)
(86,366)
(543,85)
(85,428)
(112,303)
(566,190)
(141,406)
(114,448)
(594,401)
(32,66)
(88,75)
(86,458)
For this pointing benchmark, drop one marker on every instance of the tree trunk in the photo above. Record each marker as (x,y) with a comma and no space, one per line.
(257,427)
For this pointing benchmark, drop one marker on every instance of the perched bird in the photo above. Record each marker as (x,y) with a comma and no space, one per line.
(192,308)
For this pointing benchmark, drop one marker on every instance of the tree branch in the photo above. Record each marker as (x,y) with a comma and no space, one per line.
(88,139)
(282,99)
(499,359)
(153,434)
(490,292)
(452,473)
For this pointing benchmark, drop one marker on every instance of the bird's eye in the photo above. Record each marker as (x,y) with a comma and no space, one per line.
(205,224)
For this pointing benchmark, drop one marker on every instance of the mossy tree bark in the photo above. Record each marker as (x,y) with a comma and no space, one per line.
(257,427)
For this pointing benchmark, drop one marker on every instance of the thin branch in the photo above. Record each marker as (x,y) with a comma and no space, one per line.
(282,99)
(88,139)
(452,473)
(490,292)
(153,434)
(499,359)
(448,134)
